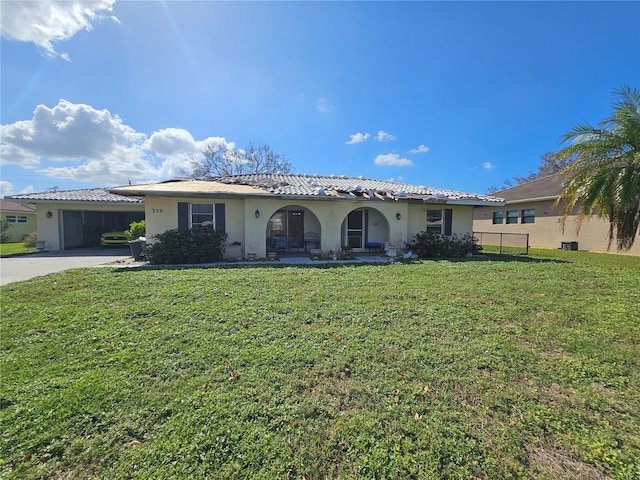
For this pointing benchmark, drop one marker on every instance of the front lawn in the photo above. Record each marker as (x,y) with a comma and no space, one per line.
(17,248)
(501,367)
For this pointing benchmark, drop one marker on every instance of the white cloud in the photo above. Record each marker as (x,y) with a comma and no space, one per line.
(6,188)
(63,132)
(324,106)
(383,136)
(421,149)
(77,142)
(43,23)
(392,160)
(488,166)
(170,141)
(358,138)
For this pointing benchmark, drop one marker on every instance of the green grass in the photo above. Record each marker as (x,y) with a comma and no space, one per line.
(18,248)
(502,367)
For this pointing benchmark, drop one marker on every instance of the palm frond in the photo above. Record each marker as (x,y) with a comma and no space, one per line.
(603,177)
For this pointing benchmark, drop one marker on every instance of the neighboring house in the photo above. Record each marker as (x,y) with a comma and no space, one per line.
(77,218)
(529,209)
(20,219)
(290,212)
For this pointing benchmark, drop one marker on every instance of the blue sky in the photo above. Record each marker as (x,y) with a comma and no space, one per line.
(458,95)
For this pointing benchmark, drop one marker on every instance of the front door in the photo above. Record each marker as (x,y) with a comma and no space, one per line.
(355,229)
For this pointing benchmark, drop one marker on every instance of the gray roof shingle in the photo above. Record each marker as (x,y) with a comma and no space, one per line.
(545,187)
(8,206)
(97,195)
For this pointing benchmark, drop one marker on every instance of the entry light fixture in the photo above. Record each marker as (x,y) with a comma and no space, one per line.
(49,214)
(398,216)
(257,213)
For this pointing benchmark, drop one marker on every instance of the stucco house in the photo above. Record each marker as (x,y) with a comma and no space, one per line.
(529,209)
(293,212)
(20,219)
(76,218)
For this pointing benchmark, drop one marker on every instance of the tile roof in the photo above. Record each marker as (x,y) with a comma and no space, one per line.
(91,195)
(15,207)
(349,187)
(545,187)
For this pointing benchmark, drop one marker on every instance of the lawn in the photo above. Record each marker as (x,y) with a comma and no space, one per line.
(18,248)
(493,368)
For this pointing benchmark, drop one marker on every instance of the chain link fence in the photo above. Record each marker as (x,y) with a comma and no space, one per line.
(504,243)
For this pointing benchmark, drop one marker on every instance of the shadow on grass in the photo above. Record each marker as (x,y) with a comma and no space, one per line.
(491,257)
(501,257)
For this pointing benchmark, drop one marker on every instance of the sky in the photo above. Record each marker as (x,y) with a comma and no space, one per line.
(456,95)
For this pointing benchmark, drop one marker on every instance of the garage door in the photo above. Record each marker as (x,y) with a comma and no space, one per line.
(81,228)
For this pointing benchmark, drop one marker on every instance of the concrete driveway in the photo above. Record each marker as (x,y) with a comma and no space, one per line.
(16,269)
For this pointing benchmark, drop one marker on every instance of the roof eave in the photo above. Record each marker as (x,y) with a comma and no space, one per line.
(476,203)
(536,199)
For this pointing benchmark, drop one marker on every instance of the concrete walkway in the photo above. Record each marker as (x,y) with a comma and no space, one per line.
(16,269)
(19,268)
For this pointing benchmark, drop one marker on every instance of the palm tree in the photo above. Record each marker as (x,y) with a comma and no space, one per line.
(603,177)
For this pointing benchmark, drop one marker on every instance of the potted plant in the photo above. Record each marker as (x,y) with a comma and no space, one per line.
(136,237)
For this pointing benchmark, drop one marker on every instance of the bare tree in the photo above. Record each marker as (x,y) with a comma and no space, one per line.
(218,160)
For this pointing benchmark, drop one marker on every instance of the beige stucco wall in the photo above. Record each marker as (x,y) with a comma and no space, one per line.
(547,230)
(327,219)
(17,231)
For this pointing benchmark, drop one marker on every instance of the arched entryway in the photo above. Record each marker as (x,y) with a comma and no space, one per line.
(365,229)
(293,229)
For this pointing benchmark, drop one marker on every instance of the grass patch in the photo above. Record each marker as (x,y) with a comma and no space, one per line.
(498,367)
(17,248)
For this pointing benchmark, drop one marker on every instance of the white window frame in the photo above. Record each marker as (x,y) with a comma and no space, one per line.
(433,225)
(16,219)
(211,223)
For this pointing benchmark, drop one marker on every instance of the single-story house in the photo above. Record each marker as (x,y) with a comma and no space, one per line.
(19,219)
(293,212)
(529,210)
(77,218)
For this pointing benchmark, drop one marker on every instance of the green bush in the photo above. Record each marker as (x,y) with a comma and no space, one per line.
(136,230)
(4,236)
(198,245)
(434,245)
(30,240)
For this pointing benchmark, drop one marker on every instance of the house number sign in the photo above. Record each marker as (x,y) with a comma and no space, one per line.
(156,210)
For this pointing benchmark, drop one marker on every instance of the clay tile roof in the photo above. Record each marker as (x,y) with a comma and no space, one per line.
(97,195)
(315,185)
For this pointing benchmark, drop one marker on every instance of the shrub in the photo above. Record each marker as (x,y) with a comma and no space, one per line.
(4,235)
(435,245)
(198,245)
(136,230)
(30,240)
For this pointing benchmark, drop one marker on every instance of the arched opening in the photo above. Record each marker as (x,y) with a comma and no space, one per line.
(293,229)
(365,229)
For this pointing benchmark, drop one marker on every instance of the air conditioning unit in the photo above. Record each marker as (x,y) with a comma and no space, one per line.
(569,245)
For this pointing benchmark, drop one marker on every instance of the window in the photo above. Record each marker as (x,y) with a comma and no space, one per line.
(202,214)
(16,219)
(512,216)
(529,215)
(434,221)
(498,217)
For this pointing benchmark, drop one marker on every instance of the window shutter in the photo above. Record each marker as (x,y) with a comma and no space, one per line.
(183,216)
(220,218)
(448,220)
